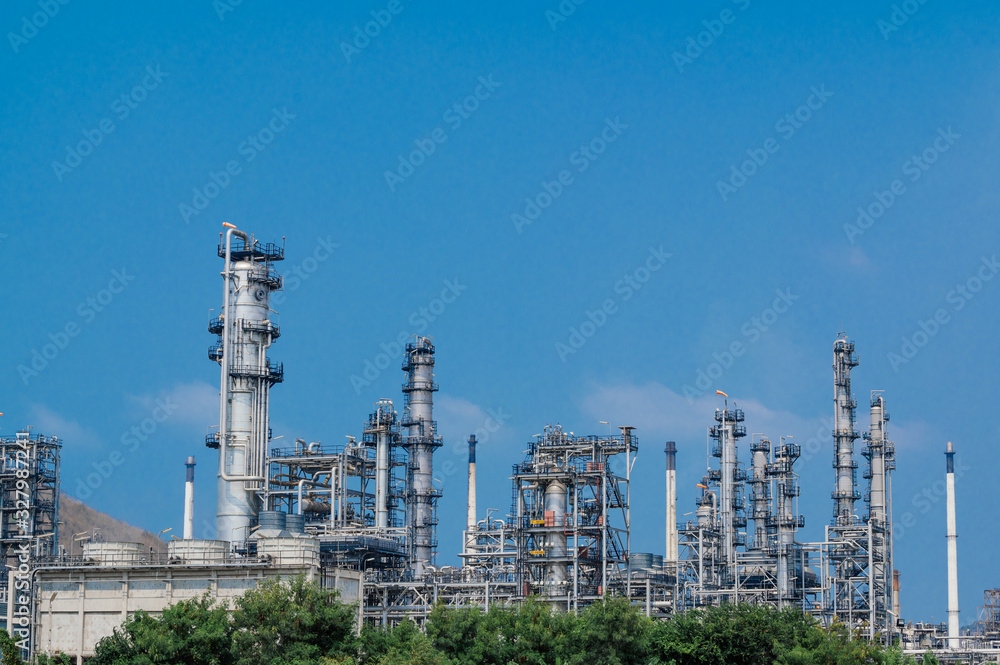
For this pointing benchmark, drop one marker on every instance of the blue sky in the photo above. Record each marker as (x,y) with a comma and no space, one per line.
(737,138)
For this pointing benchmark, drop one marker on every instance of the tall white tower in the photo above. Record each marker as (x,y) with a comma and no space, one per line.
(671,551)
(421,441)
(245,334)
(189,500)
(953,628)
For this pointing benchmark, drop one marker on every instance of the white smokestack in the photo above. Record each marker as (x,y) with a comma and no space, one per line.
(952,552)
(671,551)
(189,500)
(470,521)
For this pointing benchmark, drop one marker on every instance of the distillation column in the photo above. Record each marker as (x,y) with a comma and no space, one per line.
(381,426)
(760,498)
(881,461)
(421,440)
(845,494)
(953,627)
(730,477)
(246,334)
(785,520)
(671,551)
(189,500)
(556,573)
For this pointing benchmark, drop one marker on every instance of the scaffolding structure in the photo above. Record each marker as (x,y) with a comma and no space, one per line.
(29,523)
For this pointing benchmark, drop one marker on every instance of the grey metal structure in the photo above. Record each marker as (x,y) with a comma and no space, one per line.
(844,434)
(29,523)
(246,333)
(421,441)
(572,514)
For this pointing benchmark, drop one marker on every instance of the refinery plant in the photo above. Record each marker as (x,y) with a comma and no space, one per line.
(362,516)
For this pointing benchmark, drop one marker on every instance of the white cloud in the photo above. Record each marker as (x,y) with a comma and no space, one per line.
(46,421)
(197,403)
(656,410)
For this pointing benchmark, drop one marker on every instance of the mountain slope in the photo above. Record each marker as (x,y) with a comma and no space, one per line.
(77,517)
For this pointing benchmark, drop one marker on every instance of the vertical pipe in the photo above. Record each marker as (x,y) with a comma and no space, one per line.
(189,500)
(953,641)
(895,594)
(671,551)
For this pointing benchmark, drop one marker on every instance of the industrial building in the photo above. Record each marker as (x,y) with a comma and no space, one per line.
(362,516)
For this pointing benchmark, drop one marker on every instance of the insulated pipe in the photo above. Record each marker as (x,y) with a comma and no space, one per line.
(671,551)
(895,594)
(953,628)
(224,390)
(189,500)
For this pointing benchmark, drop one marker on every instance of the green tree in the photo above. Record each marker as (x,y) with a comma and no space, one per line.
(196,631)
(291,623)
(611,632)
(9,653)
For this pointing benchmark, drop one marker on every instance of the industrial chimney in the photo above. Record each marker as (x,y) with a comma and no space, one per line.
(470,521)
(952,551)
(189,500)
(671,551)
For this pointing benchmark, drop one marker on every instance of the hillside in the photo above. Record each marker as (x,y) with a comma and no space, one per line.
(77,517)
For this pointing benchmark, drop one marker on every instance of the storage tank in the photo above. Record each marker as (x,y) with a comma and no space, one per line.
(115,553)
(198,551)
(295,524)
(642,561)
(290,551)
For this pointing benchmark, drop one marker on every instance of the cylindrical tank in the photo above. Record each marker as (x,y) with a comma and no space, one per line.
(272,519)
(643,561)
(290,551)
(110,554)
(198,551)
(556,573)
(657,561)
(295,523)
